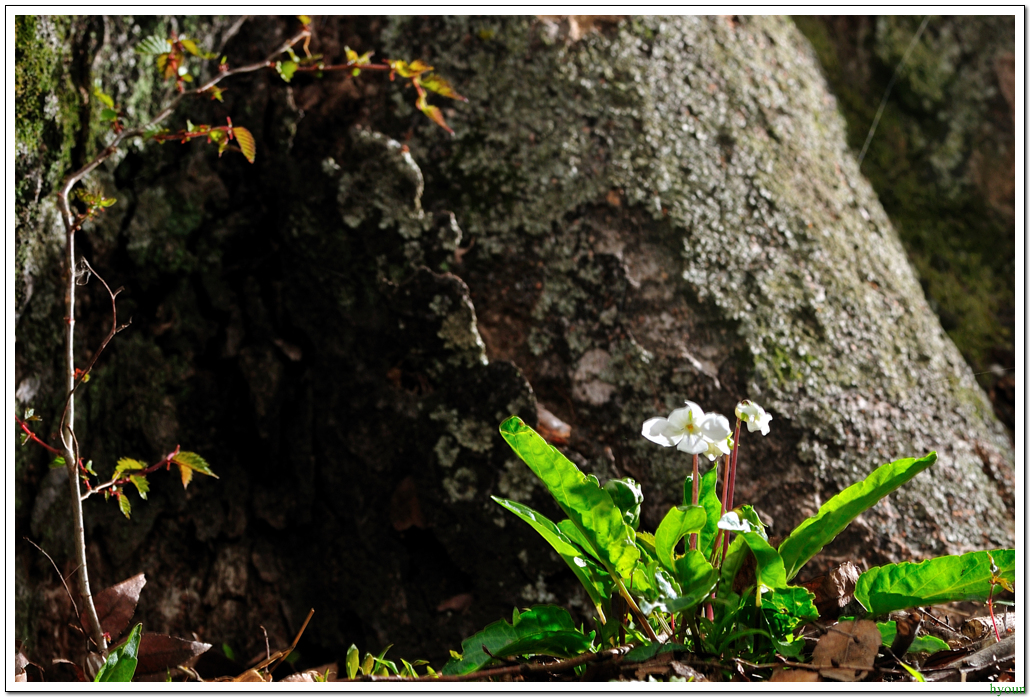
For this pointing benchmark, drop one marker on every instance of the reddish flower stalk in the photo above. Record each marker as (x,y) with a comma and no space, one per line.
(732,478)
(693,500)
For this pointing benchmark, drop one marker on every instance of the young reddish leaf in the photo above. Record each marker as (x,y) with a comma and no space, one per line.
(159,652)
(124,506)
(215,91)
(435,83)
(116,604)
(141,485)
(249,148)
(433,113)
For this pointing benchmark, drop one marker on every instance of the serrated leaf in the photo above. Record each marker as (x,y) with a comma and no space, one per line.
(120,665)
(286,69)
(812,535)
(435,83)
(126,464)
(141,485)
(57,463)
(585,503)
(679,522)
(416,67)
(435,115)
(124,506)
(946,579)
(542,630)
(594,578)
(352,662)
(246,141)
(154,45)
(193,461)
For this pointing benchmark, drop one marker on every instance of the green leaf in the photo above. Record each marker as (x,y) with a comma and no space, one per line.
(913,672)
(679,522)
(286,69)
(708,500)
(884,589)
(736,554)
(105,99)
(108,114)
(89,467)
(697,578)
(141,485)
(127,465)
(154,45)
(120,665)
(818,531)
(646,652)
(194,462)
(124,506)
(786,608)
(542,630)
(246,141)
(770,573)
(585,503)
(58,463)
(229,653)
(921,644)
(352,662)
(626,495)
(30,414)
(435,83)
(594,578)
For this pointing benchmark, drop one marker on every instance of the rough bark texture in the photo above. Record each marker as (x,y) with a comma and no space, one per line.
(663,209)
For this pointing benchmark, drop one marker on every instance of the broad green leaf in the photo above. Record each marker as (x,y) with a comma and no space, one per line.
(626,495)
(786,608)
(749,514)
(583,501)
(141,485)
(435,83)
(154,45)
(645,542)
(542,630)
(124,506)
(769,573)
(120,665)
(246,140)
(812,535)
(735,556)
(353,660)
(576,536)
(921,644)
(645,652)
(594,578)
(884,589)
(708,500)
(679,522)
(697,579)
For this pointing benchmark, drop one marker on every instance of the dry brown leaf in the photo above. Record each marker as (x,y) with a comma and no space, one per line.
(851,644)
(159,652)
(115,605)
(834,590)
(795,676)
(251,675)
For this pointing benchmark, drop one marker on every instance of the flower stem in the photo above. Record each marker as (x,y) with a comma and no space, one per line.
(693,500)
(731,479)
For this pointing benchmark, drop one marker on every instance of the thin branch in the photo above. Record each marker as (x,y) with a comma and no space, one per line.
(34,438)
(166,461)
(60,576)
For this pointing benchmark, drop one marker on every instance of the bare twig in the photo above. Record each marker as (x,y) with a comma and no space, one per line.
(59,575)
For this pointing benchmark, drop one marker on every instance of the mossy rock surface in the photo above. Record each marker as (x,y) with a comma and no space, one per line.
(662,209)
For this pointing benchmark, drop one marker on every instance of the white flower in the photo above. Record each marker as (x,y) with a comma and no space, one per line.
(718,448)
(688,429)
(756,418)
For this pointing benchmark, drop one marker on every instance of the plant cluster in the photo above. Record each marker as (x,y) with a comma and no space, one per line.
(728,595)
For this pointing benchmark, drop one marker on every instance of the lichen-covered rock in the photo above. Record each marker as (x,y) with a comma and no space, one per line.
(662,210)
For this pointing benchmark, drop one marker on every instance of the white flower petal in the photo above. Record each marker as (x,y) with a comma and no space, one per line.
(695,445)
(716,427)
(655,431)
